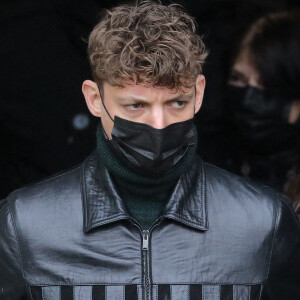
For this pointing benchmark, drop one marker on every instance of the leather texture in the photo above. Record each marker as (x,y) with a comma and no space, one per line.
(220,237)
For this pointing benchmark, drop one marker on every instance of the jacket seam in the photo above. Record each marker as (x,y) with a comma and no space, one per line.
(140,283)
(204,191)
(84,195)
(209,283)
(275,230)
(18,243)
(83,284)
(109,220)
(184,220)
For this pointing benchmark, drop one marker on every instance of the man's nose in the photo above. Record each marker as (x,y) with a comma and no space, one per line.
(158,119)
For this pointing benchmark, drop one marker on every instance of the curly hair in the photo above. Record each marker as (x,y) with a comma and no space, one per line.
(148,43)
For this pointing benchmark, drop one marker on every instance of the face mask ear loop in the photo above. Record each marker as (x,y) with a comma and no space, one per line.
(102,100)
(195,101)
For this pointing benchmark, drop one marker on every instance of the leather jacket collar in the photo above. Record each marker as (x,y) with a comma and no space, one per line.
(102,203)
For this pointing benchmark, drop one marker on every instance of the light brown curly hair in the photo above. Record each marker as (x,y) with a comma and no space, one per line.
(147,43)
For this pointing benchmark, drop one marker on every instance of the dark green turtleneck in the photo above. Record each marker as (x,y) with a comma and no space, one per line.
(144,196)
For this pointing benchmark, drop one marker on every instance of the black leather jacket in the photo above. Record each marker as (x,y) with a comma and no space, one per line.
(220,237)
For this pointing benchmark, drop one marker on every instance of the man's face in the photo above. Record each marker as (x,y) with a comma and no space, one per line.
(155,106)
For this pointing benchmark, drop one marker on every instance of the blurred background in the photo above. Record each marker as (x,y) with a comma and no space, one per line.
(45,126)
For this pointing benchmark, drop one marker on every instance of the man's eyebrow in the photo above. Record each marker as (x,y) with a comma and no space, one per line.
(182,97)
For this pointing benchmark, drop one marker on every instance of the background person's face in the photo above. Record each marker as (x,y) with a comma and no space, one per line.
(155,106)
(243,73)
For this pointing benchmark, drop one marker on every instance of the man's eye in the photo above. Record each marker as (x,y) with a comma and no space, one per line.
(135,106)
(178,104)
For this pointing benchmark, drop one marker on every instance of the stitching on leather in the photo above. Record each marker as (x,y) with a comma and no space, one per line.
(273,238)
(139,283)
(109,220)
(210,283)
(83,194)
(205,195)
(83,284)
(201,190)
(184,219)
(18,243)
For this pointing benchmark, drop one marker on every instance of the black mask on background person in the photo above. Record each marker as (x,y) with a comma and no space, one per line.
(148,150)
(261,120)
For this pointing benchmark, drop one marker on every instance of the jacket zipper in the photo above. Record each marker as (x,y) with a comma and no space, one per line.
(145,248)
(146,235)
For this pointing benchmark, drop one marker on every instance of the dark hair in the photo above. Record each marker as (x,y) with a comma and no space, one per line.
(293,192)
(274,44)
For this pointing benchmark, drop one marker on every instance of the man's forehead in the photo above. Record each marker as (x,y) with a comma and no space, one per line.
(133,89)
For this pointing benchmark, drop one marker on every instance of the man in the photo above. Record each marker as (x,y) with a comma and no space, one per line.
(143,217)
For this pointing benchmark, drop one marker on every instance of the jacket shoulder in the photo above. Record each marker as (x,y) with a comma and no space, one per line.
(241,203)
(241,189)
(54,188)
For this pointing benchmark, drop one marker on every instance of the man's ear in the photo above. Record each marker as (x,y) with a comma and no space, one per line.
(200,86)
(92,97)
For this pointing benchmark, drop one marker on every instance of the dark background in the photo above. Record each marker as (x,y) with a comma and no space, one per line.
(44,123)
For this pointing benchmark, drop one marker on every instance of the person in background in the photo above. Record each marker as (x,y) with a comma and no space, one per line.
(263,100)
(293,192)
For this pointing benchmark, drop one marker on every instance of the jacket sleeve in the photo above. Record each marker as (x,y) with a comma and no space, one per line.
(12,285)
(284,274)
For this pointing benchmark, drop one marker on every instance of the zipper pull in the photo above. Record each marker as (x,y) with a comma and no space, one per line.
(145,239)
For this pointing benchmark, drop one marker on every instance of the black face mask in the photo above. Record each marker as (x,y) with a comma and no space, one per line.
(261,120)
(150,150)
